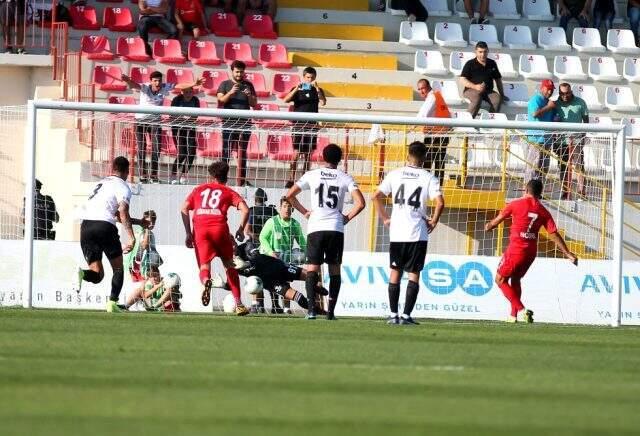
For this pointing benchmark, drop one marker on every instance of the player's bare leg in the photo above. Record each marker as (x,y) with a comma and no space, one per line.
(394,295)
(234,282)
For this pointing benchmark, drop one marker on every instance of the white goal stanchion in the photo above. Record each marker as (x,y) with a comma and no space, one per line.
(485,165)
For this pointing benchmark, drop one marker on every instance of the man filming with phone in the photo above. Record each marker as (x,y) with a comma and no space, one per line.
(306,97)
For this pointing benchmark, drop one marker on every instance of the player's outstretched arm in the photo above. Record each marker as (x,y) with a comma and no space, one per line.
(437,212)
(358,205)
(125,220)
(562,246)
(186,222)
(293,200)
(133,85)
(495,222)
(378,201)
(244,219)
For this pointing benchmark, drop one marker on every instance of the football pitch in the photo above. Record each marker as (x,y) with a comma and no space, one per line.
(92,373)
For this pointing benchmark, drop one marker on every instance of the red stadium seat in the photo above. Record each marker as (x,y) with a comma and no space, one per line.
(259,84)
(84,17)
(224,24)
(132,49)
(141,74)
(254,150)
(271,107)
(107,77)
(273,56)
(96,47)
(118,19)
(168,51)
(212,81)
(321,143)
(259,26)
(121,99)
(238,51)
(282,83)
(280,147)
(209,144)
(179,75)
(203,53)
(167,144)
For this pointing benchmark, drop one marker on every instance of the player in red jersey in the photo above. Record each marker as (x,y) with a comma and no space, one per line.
(528,215)
(210,238)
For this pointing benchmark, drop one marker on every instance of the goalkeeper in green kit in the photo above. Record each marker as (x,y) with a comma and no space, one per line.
(277,239)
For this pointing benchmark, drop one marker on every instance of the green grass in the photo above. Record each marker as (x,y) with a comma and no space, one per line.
(90,373)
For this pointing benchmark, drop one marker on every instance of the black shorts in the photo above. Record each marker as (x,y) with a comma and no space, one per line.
(97,237)
(304,138)
(325,247)
(407,256)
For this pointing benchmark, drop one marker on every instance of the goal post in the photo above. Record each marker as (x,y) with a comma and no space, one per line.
(485,165)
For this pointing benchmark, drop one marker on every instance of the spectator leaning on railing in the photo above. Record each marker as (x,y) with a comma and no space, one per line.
(540,108)
(153,13)
(477,77)
(570,149)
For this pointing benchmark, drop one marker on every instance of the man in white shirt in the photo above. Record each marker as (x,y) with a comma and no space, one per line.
(108,203)
(410,188)
(436,137)
(151,94)
(325,230)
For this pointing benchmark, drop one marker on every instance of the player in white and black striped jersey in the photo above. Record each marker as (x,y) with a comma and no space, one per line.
(108,203)
(410,188)
(325,230)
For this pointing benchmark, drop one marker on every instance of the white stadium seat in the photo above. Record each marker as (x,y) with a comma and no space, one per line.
(457,59)
(504,9)
(394,11)
(603,68)
(620,98)
(632,127)
(437,8)
(484,32)
(522,117)
(534,67)
(589,94)
(631,69)
(518,94)
(462,115)
(537,10)
(505,64)
(553,38)
(568,68)
(621,41)
(430,63)
(416,33)
(586,39)
(449,90)
(491,116)
(518,38)
(449,35)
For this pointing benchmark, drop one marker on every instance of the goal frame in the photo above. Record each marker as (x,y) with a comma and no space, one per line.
(617,147)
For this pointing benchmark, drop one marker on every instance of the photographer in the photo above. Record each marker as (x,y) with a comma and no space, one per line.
(306,97)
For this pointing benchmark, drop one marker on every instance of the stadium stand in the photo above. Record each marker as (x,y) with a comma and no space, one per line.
(131,49)
(168,51)
(534,67)
(553,38)
(568,68)
(536,10)
(224,24)
(587,40)
(273,56)
(517,37)
(84,17)
(603,69)
(415,33)
(484,32)
(118,19)
(430,63)
(504,9)
(449,35)
(631,69)
(621,41)
(96,47)
(238,51)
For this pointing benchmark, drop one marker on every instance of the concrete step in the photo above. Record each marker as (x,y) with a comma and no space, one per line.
(343,60)
(331,31)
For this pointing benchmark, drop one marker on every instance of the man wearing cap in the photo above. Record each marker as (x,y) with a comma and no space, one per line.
(184,134)
(540,108)
(44,215)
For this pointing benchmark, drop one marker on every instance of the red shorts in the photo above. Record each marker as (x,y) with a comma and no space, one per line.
(515,263)
(211,242)
(170,306)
